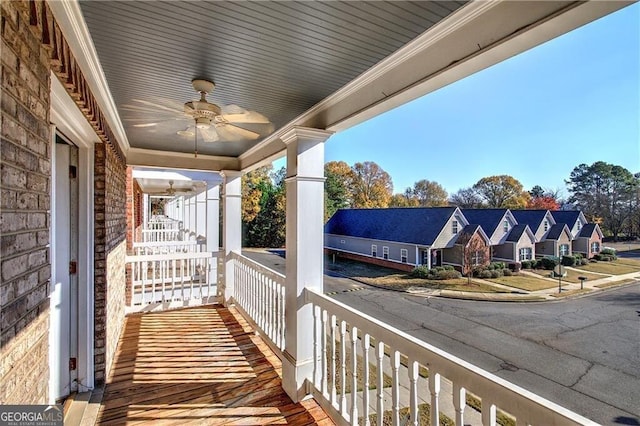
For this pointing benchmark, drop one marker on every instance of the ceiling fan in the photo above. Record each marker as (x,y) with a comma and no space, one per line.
(171,191)
(209,121)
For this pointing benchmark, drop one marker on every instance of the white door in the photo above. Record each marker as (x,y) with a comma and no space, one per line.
(64,290)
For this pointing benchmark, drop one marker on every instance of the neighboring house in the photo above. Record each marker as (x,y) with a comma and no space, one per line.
(589,241)
(520,245)
(470,251)
(557,242)
(539,221)
(497,224)
(400,238)
(586,237)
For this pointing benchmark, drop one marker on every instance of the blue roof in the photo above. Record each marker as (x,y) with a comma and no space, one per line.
(488,219)
(419,225)
(516,232)
(555,231)
(566,216)
(533,218)
(587,230)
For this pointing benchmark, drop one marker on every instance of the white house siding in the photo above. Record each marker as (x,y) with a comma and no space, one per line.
(540,232)
(362,246)
(525,242)
(447,238)
(499,236)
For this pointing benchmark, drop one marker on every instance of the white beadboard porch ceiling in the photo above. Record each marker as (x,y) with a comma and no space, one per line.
(283,58)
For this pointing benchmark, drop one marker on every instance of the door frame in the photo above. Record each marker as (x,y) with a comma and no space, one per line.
(68,121)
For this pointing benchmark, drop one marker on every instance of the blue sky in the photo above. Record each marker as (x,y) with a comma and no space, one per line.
(572,100)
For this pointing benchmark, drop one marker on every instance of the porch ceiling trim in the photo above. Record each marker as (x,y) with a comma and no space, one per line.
(503,29)
(71,22)
(180,160)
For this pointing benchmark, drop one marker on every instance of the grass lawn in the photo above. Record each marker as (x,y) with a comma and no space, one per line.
(616,267)
(524,282)
(615,283)
(392,278)
(424,418)
(572,276)
(373,371)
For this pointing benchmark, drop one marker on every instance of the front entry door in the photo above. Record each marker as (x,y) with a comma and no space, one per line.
(64,295)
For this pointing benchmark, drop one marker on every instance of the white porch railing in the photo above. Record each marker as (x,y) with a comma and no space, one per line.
(160,278)
(162,222)
(340,332)
(162,235)
(165,247)
(259,295)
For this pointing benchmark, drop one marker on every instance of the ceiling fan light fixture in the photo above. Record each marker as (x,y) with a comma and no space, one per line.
(203,123)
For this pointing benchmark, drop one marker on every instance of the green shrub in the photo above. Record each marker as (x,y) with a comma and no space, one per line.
(568,260)
(607,257)
(420,272)
(526,264)
(578,256)
(535,263)
(507,272)
(496,273)
(515,267)
(448,274)
(485,273)
(583,261)
(496,265)
(449,268)
(547,263)
(608,251)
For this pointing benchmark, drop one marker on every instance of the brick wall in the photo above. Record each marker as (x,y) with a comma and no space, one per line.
(110,248)
(373,260)
(24,208)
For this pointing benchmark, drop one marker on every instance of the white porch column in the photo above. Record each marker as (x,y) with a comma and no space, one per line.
(232,227)
(304,242)
(192,214)
(145,210)
(213,218)
(201,214)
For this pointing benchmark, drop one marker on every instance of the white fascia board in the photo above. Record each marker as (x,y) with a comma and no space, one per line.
(69,17)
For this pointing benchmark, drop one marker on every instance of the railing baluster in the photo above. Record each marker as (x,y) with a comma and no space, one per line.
(380,384)
(323,342)
(412,368)
(354,374)
(365,390)
(434,389)
(316,345)
(459,402)
(333,361)
(488,413)
(395,390)
(343,369)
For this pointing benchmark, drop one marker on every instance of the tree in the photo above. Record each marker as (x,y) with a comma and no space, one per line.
(466,198)
(264,208)
(403,200)
(502,192)
(337,191)
(371,185)
(429,193)
(544,202)
(604,190)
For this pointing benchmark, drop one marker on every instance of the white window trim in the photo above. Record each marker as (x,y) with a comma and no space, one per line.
(476,258)
(595,247)
(374,250)
(385,252)
(454,226)
(404,255)
(560,247)
(528,253)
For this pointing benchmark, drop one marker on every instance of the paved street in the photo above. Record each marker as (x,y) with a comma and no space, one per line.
(582,353)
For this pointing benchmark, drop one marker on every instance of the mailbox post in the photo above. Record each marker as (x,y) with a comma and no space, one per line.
(582,280)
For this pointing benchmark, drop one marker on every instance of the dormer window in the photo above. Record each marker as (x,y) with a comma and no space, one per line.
(454,226)
(578,225)
(505,226)
(546,225)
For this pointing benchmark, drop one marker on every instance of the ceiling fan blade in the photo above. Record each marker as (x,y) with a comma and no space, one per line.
(229,132)
(251,117)
(233,109)
(157,106)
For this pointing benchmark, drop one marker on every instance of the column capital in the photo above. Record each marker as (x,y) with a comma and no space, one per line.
(230,173)
(297,133)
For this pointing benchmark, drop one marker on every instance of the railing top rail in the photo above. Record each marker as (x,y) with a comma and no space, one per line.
(258,266)
(513,397)
(161,230)
(171,256)
(137,244)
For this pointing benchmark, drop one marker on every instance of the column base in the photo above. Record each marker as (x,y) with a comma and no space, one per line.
(294,377)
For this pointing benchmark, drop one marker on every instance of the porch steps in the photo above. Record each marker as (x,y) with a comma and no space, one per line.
(74,408)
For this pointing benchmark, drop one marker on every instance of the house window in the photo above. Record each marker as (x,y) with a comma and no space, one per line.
(564,249)
(595,247)
(403,255)
(579,225)
(342,241)
(546,225)
(477,257)
(525,253)
(385,252)
(454,226)
(505,226)
(374,250)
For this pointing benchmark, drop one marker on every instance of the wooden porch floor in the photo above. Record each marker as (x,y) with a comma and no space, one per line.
(199,365)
